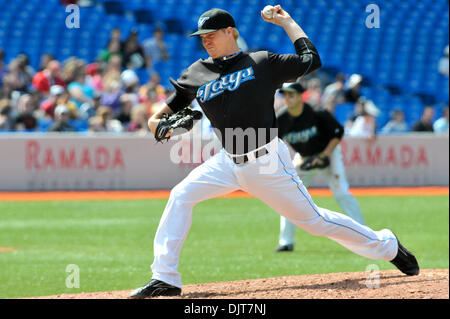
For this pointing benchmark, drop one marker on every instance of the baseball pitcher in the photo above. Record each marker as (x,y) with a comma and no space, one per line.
(236,92)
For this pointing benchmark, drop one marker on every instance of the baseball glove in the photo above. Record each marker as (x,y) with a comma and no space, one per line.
(178,123)
(320,161)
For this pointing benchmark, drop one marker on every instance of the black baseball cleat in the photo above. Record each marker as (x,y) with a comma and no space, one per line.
(405,261)
(281,248)
(155,288)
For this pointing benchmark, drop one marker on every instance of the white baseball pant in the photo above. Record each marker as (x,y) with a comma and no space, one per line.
(281,189)
(337,182)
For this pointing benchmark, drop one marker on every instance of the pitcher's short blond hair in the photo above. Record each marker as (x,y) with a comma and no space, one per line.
(235,33)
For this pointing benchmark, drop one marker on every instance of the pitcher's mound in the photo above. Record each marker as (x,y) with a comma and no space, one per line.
(430,283)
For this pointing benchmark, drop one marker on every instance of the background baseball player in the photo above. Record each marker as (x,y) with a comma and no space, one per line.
(315,136)
(236,92)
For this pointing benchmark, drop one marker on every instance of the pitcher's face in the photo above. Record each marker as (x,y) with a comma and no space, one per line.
(217,43)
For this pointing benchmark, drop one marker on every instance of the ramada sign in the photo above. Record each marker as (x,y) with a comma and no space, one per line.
(101,158)
(402,155)
(98,158)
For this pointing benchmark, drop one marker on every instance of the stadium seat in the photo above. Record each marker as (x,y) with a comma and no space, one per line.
(400,56)
(114,7)
(343,112)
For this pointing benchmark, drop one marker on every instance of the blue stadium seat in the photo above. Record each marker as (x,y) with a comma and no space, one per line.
(400,55)
(79,124)
(343,112)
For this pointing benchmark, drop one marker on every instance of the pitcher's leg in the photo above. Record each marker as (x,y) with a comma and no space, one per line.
(337,181)
(285,193)
(211,179)
(287,228)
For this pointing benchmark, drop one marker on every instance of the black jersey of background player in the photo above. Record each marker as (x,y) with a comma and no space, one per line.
(239,92)
(309,133)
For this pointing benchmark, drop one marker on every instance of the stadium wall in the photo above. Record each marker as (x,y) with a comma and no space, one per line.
(74,162)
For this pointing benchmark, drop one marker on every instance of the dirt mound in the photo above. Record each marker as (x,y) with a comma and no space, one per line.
(431,283)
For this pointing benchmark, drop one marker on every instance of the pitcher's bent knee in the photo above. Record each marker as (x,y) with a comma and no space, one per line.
(182,195)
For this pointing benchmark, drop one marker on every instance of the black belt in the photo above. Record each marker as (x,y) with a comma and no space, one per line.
(241,159)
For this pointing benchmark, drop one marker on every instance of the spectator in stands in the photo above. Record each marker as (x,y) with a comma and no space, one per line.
(62,117)
(126,105)
(153,81)
(26,120)
(130,84)
(365,124)
(133,53)
(357,111)
(352,93)
(51,75)
(24,64)
(397,123)
(6,120)
(113,48)
(112,70)
(313,93)
(116,36)
(155,50)
(444,63)
(154,86)
(441,124)
(17,79)
(103,121)
(130,81)
(3,70)
(89,110)
(152,102)
(65,99)
(139,118)
(79,90)
(48,105)
(45,59)
(69,68)
(334,93)
(111,95)
(425,124)
(58,96)
(93,76)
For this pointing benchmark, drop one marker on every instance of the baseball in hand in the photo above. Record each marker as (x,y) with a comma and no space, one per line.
(267,12)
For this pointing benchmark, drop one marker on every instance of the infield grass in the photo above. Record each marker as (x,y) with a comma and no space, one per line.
(231,239)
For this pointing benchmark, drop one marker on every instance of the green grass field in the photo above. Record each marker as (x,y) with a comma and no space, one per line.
(230,239)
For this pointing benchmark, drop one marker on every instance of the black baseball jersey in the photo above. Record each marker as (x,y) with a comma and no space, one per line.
(238,93)
(310,132)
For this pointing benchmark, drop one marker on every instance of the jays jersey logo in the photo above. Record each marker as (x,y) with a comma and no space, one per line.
(230,82)
(301,136)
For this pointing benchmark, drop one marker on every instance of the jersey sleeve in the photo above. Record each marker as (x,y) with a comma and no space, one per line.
(329,125)
(184,92)
(288,67)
